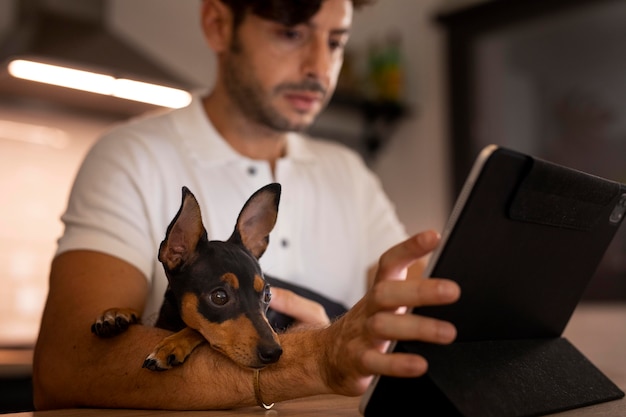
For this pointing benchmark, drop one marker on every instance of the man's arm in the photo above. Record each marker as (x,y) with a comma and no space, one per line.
(73,368)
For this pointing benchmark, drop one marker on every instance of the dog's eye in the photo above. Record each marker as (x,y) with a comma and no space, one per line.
(268,295)
(219,297)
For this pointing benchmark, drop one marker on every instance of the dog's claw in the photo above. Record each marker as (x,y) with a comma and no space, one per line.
(172,360)
(121,324)
(152,365)
(113,322)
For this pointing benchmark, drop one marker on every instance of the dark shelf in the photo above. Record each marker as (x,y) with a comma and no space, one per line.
(378,118)
(385,109)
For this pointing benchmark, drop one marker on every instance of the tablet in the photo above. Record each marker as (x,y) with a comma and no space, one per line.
(523,240)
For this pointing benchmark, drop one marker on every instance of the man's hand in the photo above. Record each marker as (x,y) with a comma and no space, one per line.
(304,311)
(359,339)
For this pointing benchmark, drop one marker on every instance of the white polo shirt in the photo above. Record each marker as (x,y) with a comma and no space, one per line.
(334,219)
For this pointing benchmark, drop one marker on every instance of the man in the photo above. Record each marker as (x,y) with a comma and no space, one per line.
(278,63)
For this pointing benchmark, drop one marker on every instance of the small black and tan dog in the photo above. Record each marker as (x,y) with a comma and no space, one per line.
(216,290)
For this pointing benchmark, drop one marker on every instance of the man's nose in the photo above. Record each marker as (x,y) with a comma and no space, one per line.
(318,60)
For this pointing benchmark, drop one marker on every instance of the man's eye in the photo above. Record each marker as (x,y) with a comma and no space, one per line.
(219,297)
(336,44)
(292,34)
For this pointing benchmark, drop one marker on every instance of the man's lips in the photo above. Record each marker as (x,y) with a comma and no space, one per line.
(303,101)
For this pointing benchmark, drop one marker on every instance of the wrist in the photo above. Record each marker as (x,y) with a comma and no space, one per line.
(257,391)
(300,372)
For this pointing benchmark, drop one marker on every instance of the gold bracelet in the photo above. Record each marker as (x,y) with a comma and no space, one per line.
(257,391)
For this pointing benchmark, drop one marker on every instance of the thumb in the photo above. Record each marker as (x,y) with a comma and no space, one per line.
(301,309)
(393,263)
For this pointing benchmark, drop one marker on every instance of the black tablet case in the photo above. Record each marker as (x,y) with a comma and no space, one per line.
(532,236)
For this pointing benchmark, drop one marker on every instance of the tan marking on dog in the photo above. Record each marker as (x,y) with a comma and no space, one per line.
(235,338)
(231,279)
(189,311)
(259,283)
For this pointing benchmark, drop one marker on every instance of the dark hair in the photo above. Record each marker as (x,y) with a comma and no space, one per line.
(286,12)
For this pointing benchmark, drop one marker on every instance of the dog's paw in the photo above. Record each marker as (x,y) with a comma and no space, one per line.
(173,350)
(114,321)
(165,357)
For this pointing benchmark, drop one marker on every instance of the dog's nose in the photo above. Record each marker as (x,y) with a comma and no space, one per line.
(269,353)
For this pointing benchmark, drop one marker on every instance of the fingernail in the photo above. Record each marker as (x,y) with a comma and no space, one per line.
(448,290)
(446,332)
(427,239)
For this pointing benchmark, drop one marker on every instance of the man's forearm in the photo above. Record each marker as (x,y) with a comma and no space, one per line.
(88,371)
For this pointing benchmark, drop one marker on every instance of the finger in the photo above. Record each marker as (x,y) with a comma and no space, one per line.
(417,268)
(394,364)
(391,326)
(394,262)
(300,308)
(389,295)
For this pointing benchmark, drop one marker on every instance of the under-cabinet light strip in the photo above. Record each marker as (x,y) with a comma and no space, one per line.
(99,83)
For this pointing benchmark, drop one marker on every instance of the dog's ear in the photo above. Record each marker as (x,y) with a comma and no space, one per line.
(183,233)
(257,219)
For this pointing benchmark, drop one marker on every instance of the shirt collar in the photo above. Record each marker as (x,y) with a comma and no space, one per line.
(206,146)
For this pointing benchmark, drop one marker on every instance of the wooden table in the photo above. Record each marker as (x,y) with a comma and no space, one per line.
(324,405)
(597,330)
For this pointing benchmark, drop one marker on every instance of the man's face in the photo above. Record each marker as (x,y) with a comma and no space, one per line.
(281,77)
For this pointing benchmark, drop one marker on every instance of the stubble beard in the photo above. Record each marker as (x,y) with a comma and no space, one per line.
(249,97)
